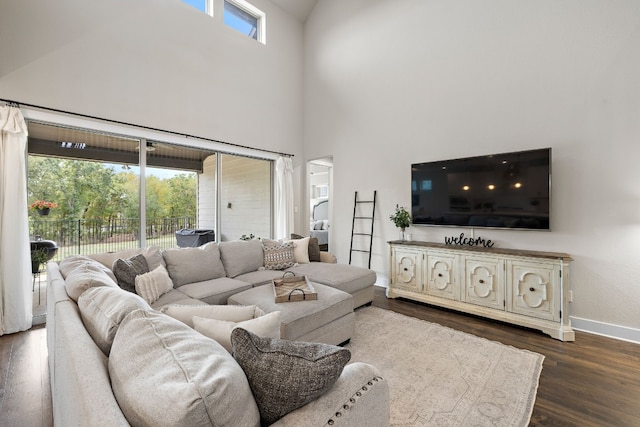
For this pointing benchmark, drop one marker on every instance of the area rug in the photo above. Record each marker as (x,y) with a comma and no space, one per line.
(442,377)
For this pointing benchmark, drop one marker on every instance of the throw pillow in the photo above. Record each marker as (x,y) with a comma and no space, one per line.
(103,309)
(317,225)
(286,375)
(152,285)
(86,275)
(164,373)
(278,255)
(314,250)
(72,262)
(126,271)
(152,254)
(314,247)
(220,330)
(231,313)
(191,265)
(301,250)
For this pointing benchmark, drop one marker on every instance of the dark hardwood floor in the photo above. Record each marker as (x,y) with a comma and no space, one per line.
(594,381)
(25,394)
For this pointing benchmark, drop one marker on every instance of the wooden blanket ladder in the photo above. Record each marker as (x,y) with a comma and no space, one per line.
(360,222)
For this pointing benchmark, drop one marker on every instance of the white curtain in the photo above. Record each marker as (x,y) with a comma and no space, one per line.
(284,198)
(15,259)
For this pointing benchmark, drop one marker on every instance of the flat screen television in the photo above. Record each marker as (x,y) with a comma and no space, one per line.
(510,190)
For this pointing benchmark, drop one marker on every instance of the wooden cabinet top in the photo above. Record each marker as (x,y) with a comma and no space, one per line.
(481,249)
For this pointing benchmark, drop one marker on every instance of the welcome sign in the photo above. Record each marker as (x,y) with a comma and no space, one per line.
(468,241)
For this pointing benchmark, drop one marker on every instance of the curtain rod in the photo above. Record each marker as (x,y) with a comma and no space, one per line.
(13,103)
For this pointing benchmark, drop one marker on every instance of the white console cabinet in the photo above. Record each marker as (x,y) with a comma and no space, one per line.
(526,288)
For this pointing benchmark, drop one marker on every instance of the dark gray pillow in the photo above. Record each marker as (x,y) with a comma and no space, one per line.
(314,247)
(286,375)
(126,271)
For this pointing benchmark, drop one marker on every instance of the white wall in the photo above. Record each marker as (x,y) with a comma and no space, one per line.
(208,195)
(245,199)
(389,83)
(158,63)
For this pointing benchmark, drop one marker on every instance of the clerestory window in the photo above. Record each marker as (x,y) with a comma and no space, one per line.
(245,18)
(239,15)
(205,6)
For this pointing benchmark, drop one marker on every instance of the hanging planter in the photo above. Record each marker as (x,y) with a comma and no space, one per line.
(42,207)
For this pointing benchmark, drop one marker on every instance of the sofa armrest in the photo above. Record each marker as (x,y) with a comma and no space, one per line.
(360,397)
(328,257)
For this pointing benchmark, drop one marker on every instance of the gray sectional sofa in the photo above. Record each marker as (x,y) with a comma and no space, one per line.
(87,380)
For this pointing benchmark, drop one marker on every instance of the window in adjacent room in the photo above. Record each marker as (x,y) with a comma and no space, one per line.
(205,6)
(246,18)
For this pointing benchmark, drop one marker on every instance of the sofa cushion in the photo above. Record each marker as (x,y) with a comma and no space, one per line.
(347,278)
(231,313)
(86,275)
(267,325)
(174,376)
(103,309)
(286,375)
(152,254)
(190,265)
(278,255)
(240,256)
(260,277)
(299,318)
(126,271)
(175,296)
(152,285)
(215,291)
(72,262)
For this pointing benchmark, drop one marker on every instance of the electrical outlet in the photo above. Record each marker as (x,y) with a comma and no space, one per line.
(570,296)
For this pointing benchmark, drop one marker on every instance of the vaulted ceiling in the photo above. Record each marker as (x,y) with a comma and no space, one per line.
(301,9)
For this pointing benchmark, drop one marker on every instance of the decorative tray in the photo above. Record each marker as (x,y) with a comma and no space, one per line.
(291,288)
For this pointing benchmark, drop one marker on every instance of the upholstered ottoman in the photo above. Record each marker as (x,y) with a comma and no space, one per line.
(329,319)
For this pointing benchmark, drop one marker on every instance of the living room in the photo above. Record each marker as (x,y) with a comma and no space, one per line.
(377,86)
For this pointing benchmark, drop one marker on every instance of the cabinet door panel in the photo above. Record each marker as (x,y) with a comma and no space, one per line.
(440,274)
(407,266)
(484,282)
(533,290)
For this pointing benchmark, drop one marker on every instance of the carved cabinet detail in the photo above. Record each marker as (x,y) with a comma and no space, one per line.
(527,288)
(441,276)
(534,290)
(484,282)
(407,266)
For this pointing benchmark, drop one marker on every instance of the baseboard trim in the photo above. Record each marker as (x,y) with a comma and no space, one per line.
(609,330)
(382,282)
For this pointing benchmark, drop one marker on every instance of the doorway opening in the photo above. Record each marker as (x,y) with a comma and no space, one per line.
(320,197)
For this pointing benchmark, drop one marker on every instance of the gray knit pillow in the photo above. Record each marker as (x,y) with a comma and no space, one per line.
(126,271)
(286,375)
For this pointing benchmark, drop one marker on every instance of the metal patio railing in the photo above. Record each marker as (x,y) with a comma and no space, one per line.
(89,236)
